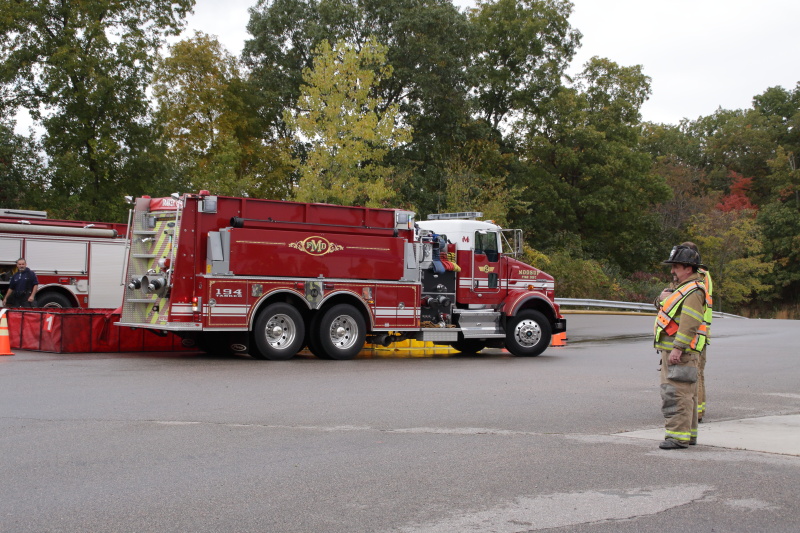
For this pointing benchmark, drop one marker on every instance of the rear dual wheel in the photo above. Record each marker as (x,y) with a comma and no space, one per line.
(312,338)
(279,332)
(338,333)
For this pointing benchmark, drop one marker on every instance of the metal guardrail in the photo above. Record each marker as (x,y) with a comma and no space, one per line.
(631,306)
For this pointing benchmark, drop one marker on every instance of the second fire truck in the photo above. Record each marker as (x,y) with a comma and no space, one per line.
(271,277)
(78,264)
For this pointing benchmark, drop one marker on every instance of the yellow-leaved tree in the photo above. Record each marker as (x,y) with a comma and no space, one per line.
(348,129)
(730,245)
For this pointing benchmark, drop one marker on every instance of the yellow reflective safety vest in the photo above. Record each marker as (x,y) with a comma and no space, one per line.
(708,314)
(666,323)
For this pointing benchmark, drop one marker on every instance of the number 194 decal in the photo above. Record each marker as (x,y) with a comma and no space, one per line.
(228,293)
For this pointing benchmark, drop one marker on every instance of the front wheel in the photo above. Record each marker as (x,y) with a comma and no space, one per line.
(279,332)
(528,333)
(52,300)
(342,332)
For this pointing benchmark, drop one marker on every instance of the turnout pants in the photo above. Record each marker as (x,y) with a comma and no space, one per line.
(679,397)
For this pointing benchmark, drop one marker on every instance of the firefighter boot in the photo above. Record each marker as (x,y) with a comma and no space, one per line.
(670,444)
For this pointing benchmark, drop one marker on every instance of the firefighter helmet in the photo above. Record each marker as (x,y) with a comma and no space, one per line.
(684,256)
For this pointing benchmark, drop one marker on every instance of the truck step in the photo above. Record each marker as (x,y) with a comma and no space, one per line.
(439,334)
(480,323)
(482,333)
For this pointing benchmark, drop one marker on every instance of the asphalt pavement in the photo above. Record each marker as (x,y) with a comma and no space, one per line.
(564,442)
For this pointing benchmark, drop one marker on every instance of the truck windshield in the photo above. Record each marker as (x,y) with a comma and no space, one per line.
(486,243)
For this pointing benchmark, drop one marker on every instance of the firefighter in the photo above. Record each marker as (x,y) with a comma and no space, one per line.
(22,287)
(701,367)
(680,336)
(701,375)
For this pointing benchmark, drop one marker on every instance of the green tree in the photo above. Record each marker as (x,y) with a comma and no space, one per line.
(524,49)
(348,126)
(575,276)
(741,141)
(22,172)
(727,161)
(430,45)
(210,127)
(475,179)
(783,106)
(674,143)
(780,226)
(690,197)
(82,68)
(782,109)
(779,217)
(589,176)
(785,177)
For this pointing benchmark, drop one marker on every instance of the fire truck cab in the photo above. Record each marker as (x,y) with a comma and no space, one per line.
(268,277)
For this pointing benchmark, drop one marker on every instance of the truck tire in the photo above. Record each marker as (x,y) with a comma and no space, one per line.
(279,332)
(527,333)
(313,336)
(53,299)
(469,346)
(341,332)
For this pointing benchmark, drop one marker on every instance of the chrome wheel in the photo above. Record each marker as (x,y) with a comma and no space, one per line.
(279,332)
(343,332)
(528,333)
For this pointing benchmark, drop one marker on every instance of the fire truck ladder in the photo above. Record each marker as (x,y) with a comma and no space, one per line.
(153,236)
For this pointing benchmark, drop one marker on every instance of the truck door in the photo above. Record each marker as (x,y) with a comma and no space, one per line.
(106,262)
(487,264)
(10,251)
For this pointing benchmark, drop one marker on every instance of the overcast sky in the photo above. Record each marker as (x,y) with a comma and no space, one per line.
(700,54)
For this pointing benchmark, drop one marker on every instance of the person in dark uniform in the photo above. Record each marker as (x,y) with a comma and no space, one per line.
(22,287)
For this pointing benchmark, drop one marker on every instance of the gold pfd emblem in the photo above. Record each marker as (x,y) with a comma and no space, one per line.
(316,245)
(486,269)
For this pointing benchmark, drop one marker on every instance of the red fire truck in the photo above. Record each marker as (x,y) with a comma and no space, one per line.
(78,264)
(270,277)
